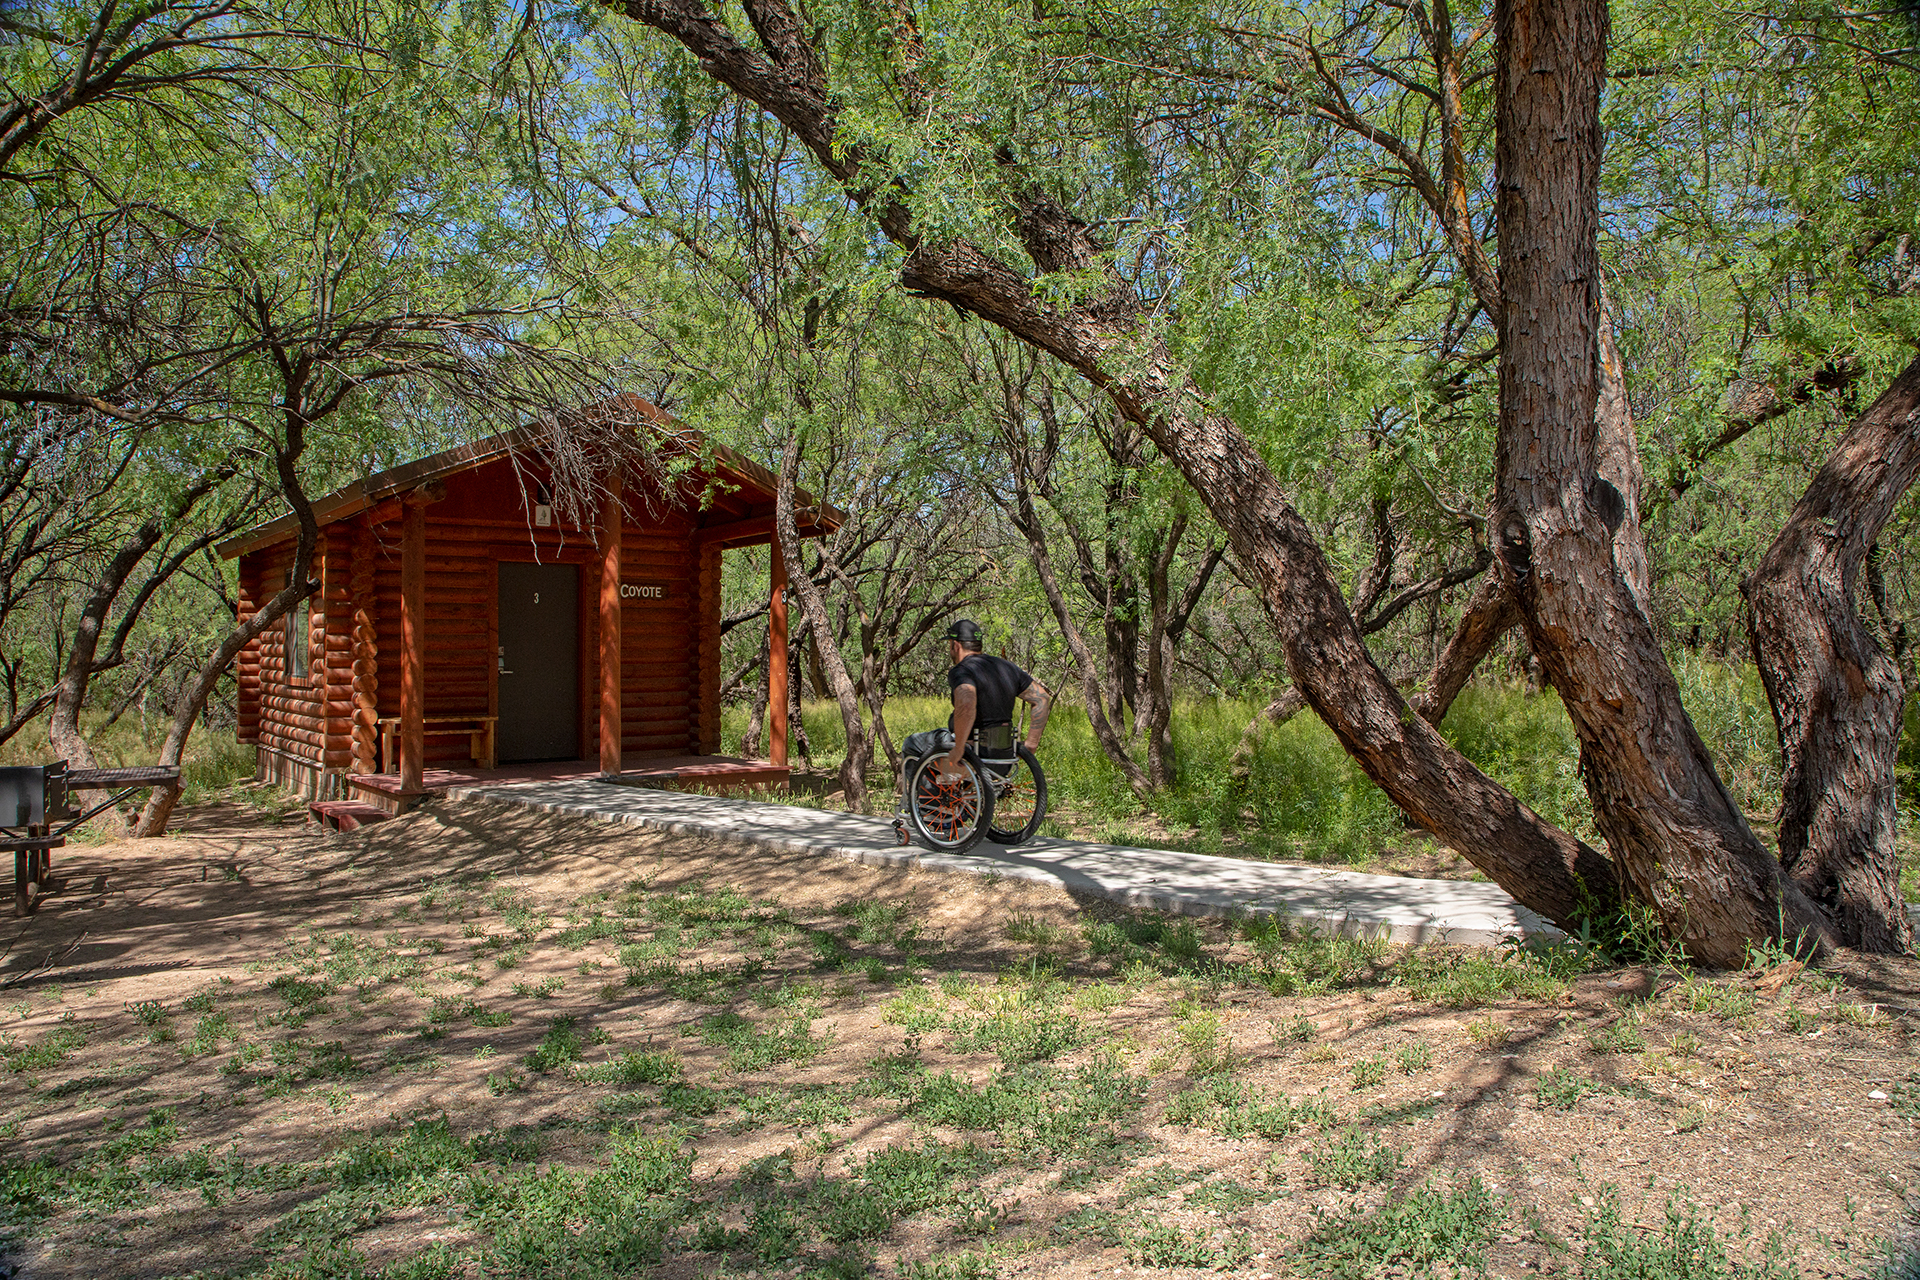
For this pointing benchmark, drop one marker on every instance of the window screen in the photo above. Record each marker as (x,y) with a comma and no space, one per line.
(299,641)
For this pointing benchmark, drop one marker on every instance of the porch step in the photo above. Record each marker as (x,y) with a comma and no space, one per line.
(347,815)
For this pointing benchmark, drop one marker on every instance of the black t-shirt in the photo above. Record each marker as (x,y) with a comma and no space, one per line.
(996,684)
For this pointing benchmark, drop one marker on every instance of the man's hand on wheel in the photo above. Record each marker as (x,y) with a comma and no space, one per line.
(953,767)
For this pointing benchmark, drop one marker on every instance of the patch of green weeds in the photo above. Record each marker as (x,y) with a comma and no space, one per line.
(1294,1030)
(1368,1073)
(58,1045)
(1201,1039)
(1386,1113)
(1276,1118)
(557,1048)
(877,922)
(594,928)
(610,1220)
(1226,1195)
(1353,1160)
(1295,961)
(969,1265)
(1028,929)
(1038,1110)
(209,1033)
(1202,1104)
(1467,979)
(804,1105)
(695,1100)
(1165,1245)
(1562,1089)
(1622,1035)
(917,1010)
(541,990)
(1413,1058)
(1725,999)
(630,1069)
(1427,1229)
(753,1048)
(1686,1246)
(1030,1030)
(152,1015)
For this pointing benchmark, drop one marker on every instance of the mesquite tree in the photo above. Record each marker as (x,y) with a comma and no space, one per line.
(1558,533)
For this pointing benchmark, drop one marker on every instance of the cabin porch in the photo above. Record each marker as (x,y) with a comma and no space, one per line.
(719,773)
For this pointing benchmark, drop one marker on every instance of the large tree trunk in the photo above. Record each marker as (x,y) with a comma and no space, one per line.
(1669,821)
(1099,337)
(1837,694)
(853,768)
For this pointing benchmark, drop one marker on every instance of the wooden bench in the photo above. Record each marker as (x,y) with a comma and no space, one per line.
(479,731)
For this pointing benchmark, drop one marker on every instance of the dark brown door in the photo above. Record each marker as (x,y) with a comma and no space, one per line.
(539,662)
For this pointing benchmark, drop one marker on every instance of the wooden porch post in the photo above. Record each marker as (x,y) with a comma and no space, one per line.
(777,658)
(413,641)
(610,522)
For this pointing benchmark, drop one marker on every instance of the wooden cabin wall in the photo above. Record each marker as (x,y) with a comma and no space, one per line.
(659,666)
(460,606)
(704,703)
(292,713)
(333,661)
(670,649)
(247,689)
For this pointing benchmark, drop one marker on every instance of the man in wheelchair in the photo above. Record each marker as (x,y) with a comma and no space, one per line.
(985,689)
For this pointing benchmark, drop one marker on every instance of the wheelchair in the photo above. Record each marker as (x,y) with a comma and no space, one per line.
(1000,795)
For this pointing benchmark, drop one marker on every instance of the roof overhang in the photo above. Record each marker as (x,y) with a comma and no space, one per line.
(813,518)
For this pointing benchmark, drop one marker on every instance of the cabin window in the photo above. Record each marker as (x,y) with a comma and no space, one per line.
(299,639)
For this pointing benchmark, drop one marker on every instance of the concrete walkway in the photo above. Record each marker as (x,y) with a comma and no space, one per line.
(1398,908)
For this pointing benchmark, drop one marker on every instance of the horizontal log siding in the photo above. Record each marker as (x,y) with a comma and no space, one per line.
(670,650)
(292,713)
(247,665)
(335,626)
(658,645)
(459,602)
(704,703)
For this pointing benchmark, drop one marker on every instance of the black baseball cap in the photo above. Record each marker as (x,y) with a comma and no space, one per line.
(965,631)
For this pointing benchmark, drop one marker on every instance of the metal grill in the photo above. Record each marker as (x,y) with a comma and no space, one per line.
(35,797)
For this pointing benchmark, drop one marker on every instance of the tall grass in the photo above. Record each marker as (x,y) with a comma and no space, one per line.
(1305,796)
(212,762)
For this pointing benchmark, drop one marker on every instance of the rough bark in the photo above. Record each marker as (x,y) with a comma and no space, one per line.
(1490,614)
(1100,337)
(853,768)
(1669,821)
(1836,692)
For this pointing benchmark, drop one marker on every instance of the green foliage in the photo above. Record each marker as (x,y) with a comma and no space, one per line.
(629,1069)
(1353,1160)
(1037,1109)
(557,1048)
(1685,1246)
(1468,978)
(1165,1245)
(754,1048)
(1429,1225)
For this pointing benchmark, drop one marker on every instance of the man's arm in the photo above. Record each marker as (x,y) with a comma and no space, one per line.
(966,706)
(1042,701)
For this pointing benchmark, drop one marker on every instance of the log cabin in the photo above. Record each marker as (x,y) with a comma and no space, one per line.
(464,630)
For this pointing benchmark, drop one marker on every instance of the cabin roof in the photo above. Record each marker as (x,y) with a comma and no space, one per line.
(757,483)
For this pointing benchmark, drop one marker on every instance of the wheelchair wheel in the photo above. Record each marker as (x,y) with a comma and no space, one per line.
(1020,802)
(949,816)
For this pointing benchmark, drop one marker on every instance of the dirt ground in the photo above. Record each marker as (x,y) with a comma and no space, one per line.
(481,1041)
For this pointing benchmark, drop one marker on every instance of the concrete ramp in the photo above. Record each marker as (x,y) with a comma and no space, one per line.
(1397,908)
